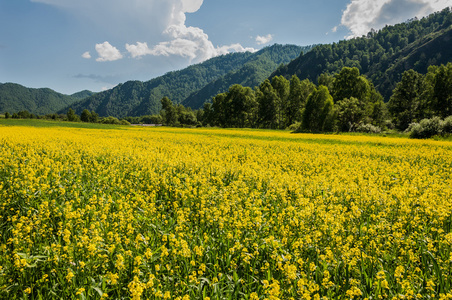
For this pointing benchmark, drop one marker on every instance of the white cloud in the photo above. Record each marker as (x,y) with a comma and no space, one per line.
(361,16)
(86,55)
(262,40)
(161,22)
(190,42)
(107,52)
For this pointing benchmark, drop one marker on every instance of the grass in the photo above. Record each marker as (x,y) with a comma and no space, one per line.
(39,123)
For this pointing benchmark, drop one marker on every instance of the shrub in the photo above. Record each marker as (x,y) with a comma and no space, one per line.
(447,125)
(368,128)
(295,126)
(426,128)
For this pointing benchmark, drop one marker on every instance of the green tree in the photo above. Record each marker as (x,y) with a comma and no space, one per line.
(379,113)
(219,110)
(94,118)
(71,116)
(404,104)
(7,115)
(326,80)
(281,87)
(266,98)
(438,90)
(317,115)
(242,106)
(186,116)
(169,112)
(349,83)
(350,113)
(85,116)
(208,114)
(307,87)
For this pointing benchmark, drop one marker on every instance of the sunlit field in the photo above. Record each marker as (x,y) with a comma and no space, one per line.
(166,213)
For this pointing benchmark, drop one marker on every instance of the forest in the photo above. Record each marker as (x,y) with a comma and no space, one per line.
(346,101)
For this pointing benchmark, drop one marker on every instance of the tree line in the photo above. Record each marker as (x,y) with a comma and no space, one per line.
(86,116)
(346,101)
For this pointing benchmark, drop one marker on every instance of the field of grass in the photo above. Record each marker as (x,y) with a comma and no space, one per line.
(107,212)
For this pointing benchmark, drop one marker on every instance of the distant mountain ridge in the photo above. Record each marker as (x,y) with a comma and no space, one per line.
(15,97)
(196,83)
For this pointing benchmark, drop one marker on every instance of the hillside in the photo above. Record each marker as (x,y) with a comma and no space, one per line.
(15,97)
(251,74)
(136,98)
(82,94)
(384,55)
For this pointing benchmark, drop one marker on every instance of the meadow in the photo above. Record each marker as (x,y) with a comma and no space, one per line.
(165,213)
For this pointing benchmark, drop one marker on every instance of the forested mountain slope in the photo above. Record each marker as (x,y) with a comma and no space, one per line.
(136,98)
(382,55)
(15,97)
(253,73)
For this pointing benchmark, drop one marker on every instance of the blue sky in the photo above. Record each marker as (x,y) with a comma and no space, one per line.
(72,45)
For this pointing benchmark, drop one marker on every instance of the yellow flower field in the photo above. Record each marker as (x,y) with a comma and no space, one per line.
(166,213)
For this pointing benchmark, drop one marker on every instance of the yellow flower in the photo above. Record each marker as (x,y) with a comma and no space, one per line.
(69,275)
(79,291)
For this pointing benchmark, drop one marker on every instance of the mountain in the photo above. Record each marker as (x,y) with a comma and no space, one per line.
(15,97)
(382,55)
(82,94)
(256,70)
(136,98)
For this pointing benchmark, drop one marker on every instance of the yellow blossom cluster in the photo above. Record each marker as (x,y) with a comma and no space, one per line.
(167,213)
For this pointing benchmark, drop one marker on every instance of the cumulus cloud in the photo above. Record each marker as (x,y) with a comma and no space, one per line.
(86,55)
(107,52)
(262,40)
(361,16)
(159,22)
(190,42)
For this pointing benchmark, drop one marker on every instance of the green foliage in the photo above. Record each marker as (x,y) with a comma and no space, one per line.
(175,115)
(236,108)
(318,113)
(350,113)
(437,90)
(113,121)
(169,112)
(241,107)
(298,96)
(85,116)
(15,98)
(405,99)
(382,56)
(349,83)
(368,128)
(252,73)
(281,86)
(426,128)
(72,116)
(267,103)
(417,97)
(447,125)
(82,94)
